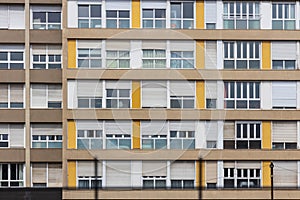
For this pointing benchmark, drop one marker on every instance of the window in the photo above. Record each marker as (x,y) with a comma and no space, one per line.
(182,174)
(241,15)
(89,139)
(11,96)
(151,182)
(240,176)
(46,19)
(117,19)
(182,59)
(118,94)
(11,136)
(46,174)
(242,95)
(89,58)
(182,15)
(154,18)
(284,55)
(89,94)
(182,140)
(211,94)
(86,175)
(117,59)
(284,95)
(283,16)
(12,57)
(11,175)
(284,135)
(46,135)
(118,134)
(182,184)
(88,182)
(46,96)
(46,57)
(154,134)
(12,16)
(182,94)
(247,136)
(89,16)
(241,55)
(154,94)
(154,58)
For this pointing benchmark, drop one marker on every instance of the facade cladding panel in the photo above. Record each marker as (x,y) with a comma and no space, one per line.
(169,96)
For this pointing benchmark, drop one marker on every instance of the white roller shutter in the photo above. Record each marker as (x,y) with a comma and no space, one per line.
(16,93)
(211,91)
(89,125)
(228,129)
(3,16)
(39,173)
(117,44)
(89,88)
(87,168)
(117,5)
(228,164)
(154,94)
(54,49)
(118,127)
(55,175)
(38,96)
(54,93)
(16,135)
(285,174)
(179,45)
(183,170)
(118,174)
(3,93)
(210,55)
(154,128)
(16,17)
(154,44)
(118,85)
(211,171)
(46,8)
(284,50)
(154,168)
(210,9)
(4,129)
(46,129)
(160,4)
(248,165)
(92,44)
(182,126)
(182,88)
(38,49)
(211,128)
(284,131)
(284,94)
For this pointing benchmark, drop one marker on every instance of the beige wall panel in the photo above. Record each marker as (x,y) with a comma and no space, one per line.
(12,36)
(12,76)
(46,76)
(45,115)
(45,37)
(12,115)
(12,155)
(46,155)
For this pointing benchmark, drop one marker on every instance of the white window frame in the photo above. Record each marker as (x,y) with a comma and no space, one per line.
(9,61)
(47,97)
(47,61)
(46,25)
(117,98)
(182,99)
(181,138)
(284,18)
(182,19)
(89,58)
(248,138)
(235,16)
(89,18)
(284,64)
(118,19)
(47,141)
(9,180)
(118,137)
(90,179)
(154,59)
(242,45)
(154,179)
(154,139)
(182,59)
(235,99)
(120,56)
(154,19)
(9,98)
(182,183)
(90,139)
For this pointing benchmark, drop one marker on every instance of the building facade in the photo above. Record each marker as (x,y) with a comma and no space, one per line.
(174,99)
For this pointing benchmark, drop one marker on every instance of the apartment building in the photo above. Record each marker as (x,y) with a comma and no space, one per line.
(174,99)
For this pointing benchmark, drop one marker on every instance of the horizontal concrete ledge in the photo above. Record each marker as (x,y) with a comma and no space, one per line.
(182,34)
(182,194)
(46,76)
(183,114)
(46,115)
(206,154)
(46,36)
(46,2)
(46,155)
(12,76)
(12,155)
(12,36)
(183,74)
(12,115)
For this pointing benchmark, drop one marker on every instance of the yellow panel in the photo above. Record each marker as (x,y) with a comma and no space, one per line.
(136,135)
(266,55)
(266,174)
(200,54)
(200,14)
(200,95)
(72,174)
(136,94)
(198,174)
(71,53)
(136,13)
(266,135)
(71,134)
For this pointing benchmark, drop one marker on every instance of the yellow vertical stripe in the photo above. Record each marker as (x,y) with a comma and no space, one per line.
(72,174)
(197,175)
(136,135)
(71,134)
(136,94)
(266,174)
(200,14)
(200,54)
(136,13)
(200,95)
(266,135)
(197,182)
(71,53)
(266,55)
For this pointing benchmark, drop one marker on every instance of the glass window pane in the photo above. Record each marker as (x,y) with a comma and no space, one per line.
(290,64)
(277,24)
(289,25)
(95,10)
(123,14)
(54,17)
(111,13)
(3,56)
(83,11)
(39,17)
(16,56)
(160,144)
(147,144)
(175,143)
(160,13)
(228,64)
(147,13)
(111,23)
(188,10)
(175,10)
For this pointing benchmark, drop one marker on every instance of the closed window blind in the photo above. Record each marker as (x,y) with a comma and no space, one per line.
(210,55)
(16,93)
(38,96)
(228,129)
(118,174)
(284,50)
(39,173)
(182,88)
(183,170)
(154,168)
(89,88)
(118,127)
(46,129)
(55,175)
(87,168)
(284,131)
(16,135)
(211,171)
(211,128)
(154,94)
(154,128)
(285,174)
(284,94)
